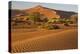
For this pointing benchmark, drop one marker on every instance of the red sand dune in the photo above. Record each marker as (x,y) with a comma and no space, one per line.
(50,41)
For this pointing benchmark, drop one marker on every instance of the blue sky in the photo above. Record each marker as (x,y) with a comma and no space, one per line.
(25,5)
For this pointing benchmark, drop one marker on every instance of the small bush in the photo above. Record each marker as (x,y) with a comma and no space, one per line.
(53,27)
(66,24)
(71,22)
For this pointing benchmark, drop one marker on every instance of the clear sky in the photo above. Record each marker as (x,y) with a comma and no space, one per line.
(25,5)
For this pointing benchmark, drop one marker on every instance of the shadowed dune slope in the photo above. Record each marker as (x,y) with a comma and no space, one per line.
(55,41)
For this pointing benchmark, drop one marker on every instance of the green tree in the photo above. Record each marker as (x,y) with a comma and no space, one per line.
(35,16)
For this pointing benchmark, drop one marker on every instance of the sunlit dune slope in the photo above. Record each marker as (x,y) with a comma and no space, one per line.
(52,41)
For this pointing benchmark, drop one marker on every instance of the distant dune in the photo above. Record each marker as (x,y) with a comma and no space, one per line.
(50,40)
(48,12)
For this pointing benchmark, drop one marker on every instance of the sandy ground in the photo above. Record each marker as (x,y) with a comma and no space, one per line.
(25,41)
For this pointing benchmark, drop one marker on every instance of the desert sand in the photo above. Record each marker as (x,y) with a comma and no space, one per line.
(23,41)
